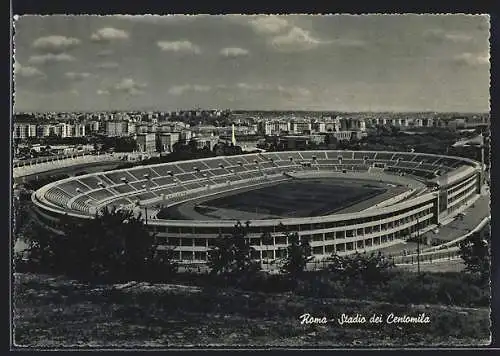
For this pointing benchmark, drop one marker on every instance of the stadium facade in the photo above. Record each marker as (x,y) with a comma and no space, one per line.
(438,186)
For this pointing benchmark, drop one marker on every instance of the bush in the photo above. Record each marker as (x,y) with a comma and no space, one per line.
(400,288)
(475,251)
(445,288)
(368,269)
(113,247)
(231,255)
(298,254)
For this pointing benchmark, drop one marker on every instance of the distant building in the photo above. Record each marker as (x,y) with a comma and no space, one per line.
(248,142)
(62,130)
(131,128)
(300,127)
(186,135)
(204,130)
(143,128)
(92,126)
(146,142)
(78,130)
(351,124)
(347,135)
(70,129)
(24,130)
(319,126)
(294,142)
(167,140)
(44,130)
(273,128)
(116,128)
(206,142)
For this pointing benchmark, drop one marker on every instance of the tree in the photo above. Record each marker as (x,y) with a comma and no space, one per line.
(39,252)
(369,268)
(243,249)
(331,141)
(299,252)
(119,144)
(220,256)
(395,130)
(475,251)
(232,255)
(114,246)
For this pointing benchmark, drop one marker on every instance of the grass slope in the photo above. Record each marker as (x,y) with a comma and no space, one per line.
(55,312)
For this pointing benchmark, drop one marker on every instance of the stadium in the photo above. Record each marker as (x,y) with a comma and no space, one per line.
(342,201)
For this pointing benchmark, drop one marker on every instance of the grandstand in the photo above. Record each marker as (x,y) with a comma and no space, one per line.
(40,165)
(441,186)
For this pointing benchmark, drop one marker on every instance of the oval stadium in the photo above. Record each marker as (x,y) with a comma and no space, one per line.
(343,201)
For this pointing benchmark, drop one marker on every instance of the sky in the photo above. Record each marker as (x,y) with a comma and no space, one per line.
(261,62)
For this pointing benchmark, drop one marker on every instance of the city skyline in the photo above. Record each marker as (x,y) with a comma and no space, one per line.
(376,63)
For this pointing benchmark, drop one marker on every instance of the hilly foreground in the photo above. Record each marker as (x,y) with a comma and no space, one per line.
(53,312)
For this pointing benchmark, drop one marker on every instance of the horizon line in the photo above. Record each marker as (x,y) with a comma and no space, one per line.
(258,110)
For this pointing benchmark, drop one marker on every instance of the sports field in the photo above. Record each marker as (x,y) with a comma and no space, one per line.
(298,198)
(292,198)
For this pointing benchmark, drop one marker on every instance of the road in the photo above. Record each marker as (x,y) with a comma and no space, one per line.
(88,167)
(453,230)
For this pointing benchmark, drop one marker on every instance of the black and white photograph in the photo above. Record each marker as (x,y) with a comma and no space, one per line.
(292,181)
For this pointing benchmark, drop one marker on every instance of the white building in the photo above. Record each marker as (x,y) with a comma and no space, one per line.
(116,128)
(92,126)
(61,130)
(300,127)
(24,130)
(78,130)
(131,128)
(146,142)
(44,130)
(167,140)
(273,127)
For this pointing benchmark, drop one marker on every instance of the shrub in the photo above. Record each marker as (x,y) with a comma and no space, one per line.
(298,253)
(368,269)
(113,247)
(231,255)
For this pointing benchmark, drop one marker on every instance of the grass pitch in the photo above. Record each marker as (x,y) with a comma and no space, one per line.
(299,198)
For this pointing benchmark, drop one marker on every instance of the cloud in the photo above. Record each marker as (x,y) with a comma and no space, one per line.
(472,59)
(126,85)
(27,71)
(254,87)
(287,91)
(297,39)
(284,36)
(294,91)
(107,65)
(269,25)
(50,58)
(179,46)
(129,86)
(108,34)
(181,89)
(104,53)
(77,75)
(103,92)
(233,52)
(439,35)
(346,42)
(55,44)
